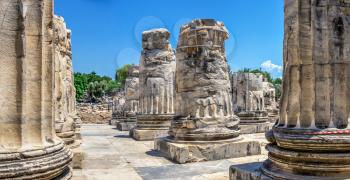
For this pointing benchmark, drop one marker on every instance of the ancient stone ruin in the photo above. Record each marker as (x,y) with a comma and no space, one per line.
(311,139)
(249,102)
(29,147)
(117,108)
(157,77)
(271,102)
(205,127)
(67,122)
(131,107)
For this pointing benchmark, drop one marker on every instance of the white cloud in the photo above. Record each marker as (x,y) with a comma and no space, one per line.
(270,67)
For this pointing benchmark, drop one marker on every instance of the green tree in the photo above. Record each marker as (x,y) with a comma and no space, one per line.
(93,86)
(122,73)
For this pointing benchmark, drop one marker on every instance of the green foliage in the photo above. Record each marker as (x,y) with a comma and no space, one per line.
(93,85)
(267,75)
(122,73)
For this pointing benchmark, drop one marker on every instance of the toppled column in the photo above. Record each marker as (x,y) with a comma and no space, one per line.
(131,106)
(157,80)
(67,122)
(311,139)
(29,147)
(249,102)
(205,127)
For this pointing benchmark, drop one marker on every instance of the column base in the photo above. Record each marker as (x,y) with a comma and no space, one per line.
(148,135)
(250,171)
(49,163)
(255,128)
(78,157)
(253,171)
(197,151)
(113,122)
(125,126)
(66,175)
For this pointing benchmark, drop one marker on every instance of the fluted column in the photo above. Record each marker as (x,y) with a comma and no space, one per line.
(312,135)
(248,98)
(131,107)
(203,107)
(29,147)
(157,71)
(132,91)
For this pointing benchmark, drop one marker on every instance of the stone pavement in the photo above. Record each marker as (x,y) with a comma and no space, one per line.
(112,154)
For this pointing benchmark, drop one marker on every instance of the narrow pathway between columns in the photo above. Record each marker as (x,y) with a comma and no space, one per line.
(112,155)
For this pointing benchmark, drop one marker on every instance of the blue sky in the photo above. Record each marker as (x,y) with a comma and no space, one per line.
(106,33)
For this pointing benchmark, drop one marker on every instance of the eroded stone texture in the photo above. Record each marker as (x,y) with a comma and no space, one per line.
(203,106)
(131,106)
(67,122)
(249,102)
(311,140)
(117,108)
(271,104)
(29,147)
(157,77)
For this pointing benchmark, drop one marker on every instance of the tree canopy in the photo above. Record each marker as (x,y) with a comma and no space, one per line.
(94,86)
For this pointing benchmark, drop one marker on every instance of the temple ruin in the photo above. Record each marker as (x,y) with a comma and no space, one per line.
(311,139)
(117,108)
(205,126)
(157,77)
(67,122)
(29,147)
(131,107)
(249,102)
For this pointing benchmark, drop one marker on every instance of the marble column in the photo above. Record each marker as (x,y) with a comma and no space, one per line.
(204,117)
(271,103)
(117,110)
(29,147)
(157,81)
(311,139)
(131,106)
(249,102)
(67,122)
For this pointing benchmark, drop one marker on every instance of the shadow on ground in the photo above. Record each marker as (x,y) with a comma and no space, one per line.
(154,153)
(122,136)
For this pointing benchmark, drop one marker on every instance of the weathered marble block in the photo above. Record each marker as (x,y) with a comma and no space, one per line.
(67,122)
(311,139)
(204,116)
(157,79)
(117,108)
(29,147)
(131,107)
(249,102)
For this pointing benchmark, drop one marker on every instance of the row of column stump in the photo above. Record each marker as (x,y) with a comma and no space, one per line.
(310,140)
